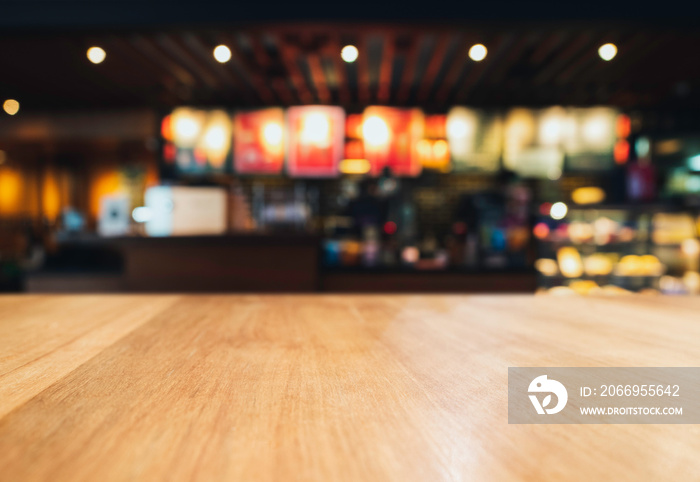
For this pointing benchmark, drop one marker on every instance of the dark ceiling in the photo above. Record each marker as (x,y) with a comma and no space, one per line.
(61,14)
(407,64)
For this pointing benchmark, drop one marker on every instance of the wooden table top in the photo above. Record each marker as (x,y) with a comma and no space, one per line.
(361,388)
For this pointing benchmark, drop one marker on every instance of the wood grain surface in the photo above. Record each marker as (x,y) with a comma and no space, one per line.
(309,387)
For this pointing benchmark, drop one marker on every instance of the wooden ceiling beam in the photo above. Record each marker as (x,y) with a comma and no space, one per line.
(121,48)
(552,42)
(289,51)
(362,63)
(514,56)
(437,59)
(456,70)
(578,47)
(256,79)
(147,48)
(318,77)
(386,64)
(271,69)
(408,75)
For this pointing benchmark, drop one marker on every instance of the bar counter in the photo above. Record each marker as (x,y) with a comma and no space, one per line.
(324,387)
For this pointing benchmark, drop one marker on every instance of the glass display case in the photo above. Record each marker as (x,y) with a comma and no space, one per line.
(617,249)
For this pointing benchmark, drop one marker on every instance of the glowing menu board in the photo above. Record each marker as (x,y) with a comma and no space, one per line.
(475,138)
(258,139)
(197,141)
(391,138)
(590,139)
(316,140)
(537,142)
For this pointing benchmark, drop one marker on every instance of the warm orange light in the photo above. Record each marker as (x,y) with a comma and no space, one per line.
(354,166)
(424,149)
(570,263)
(621,151)
(354,149)
(353,126)
(166,128)
(50,196)
(588,195)
(436,126)
(598,264)
(624,126)
(547,266)
(104,182)
(11,184)
(440,150)
(11,106)
(541,231)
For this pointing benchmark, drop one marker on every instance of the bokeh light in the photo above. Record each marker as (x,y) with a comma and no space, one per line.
(477,52)
(607,52)
(222,54)
(11,106)
(96,55)
(558,210)
(349,53)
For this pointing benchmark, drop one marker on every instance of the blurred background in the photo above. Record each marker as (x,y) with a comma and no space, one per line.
(196,146)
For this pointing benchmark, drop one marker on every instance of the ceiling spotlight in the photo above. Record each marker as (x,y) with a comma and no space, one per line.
(96,55)
(222,54)
(607,51)
(11,106)
(477,53)
(349,53)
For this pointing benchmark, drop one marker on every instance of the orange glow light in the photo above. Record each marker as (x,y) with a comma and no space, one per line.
(624,126)
(436,126)
(440,150)
(50,196)
(11,184)
(353,126)
(166,128)
(541,230)
(354,149)
(354,166)
(621,152)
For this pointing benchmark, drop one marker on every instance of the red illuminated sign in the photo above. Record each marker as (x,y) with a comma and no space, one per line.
(259,141)
(316,141)
(391,139)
